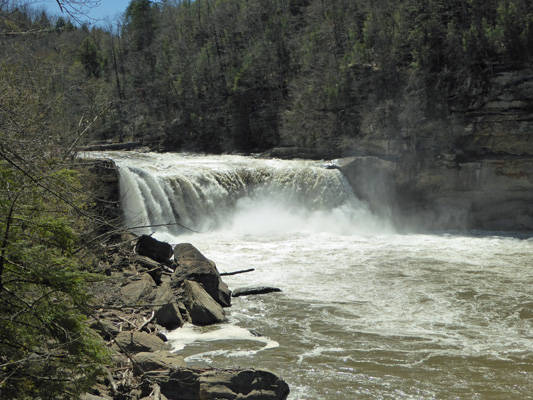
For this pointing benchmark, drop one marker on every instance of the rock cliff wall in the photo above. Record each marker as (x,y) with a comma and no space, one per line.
(477,172)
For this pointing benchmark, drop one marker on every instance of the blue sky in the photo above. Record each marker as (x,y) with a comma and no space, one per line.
(106,8)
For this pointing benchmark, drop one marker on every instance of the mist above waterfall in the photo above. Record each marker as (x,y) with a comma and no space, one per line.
(241,195)
(252,216)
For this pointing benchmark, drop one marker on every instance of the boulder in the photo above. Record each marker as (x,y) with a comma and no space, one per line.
(198,383)
(166,307)
(203,310)
(246,384)
(154,249)
(164,294)
(161,359)
(169,316)
(140,341)
(194,266)
(158,271)
(139,290)
(246,291)
(182,383)
(146,262)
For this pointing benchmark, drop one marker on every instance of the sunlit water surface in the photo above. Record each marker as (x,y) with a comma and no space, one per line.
(377,317)
(365,313)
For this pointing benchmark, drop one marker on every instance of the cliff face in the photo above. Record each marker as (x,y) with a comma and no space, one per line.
(480,171)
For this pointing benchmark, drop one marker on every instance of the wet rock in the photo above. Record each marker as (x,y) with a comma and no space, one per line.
(167,311)
(194,266)
(197,383)
(169,316)
(203,310)
(140,341)
(161,359)
(154,249)
(247,291)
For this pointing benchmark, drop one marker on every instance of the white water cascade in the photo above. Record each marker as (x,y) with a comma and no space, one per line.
(364,312)
(165,193)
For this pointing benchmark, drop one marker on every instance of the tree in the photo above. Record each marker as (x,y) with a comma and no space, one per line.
(46,348)
(91,57)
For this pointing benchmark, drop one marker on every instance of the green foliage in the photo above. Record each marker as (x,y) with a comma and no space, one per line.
(47,350)
(91,58)
(46,347)
(141,22)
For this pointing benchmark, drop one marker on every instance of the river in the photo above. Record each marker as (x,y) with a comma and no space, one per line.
(364,312)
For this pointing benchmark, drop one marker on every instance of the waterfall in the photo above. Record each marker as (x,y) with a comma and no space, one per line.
(167,194)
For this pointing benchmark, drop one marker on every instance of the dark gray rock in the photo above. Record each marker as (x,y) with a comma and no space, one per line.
(211,384)
(154,249)
(141,290)
(247,291)
(169,316)
(164,294)
(166,306)
(203,310)
(157,360)
(146,262)
(490,194)
(139,341)
(194,266)
(246,385)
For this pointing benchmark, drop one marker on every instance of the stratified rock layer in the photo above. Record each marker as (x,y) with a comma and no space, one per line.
(474,170)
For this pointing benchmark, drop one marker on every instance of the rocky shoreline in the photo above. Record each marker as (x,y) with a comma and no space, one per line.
(149,289)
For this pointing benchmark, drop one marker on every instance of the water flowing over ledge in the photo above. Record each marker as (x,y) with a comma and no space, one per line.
(165,192)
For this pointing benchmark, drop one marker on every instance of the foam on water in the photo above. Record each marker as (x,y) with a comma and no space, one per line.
(189,334)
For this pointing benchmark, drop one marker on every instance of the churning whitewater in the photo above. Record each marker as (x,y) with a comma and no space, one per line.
(365,313)
(168,192)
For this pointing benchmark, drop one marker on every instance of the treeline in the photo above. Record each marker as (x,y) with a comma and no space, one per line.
(236,75)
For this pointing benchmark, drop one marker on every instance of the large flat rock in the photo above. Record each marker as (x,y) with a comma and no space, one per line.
(211,384)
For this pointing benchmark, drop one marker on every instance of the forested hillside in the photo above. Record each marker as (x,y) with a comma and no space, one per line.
(236,75)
